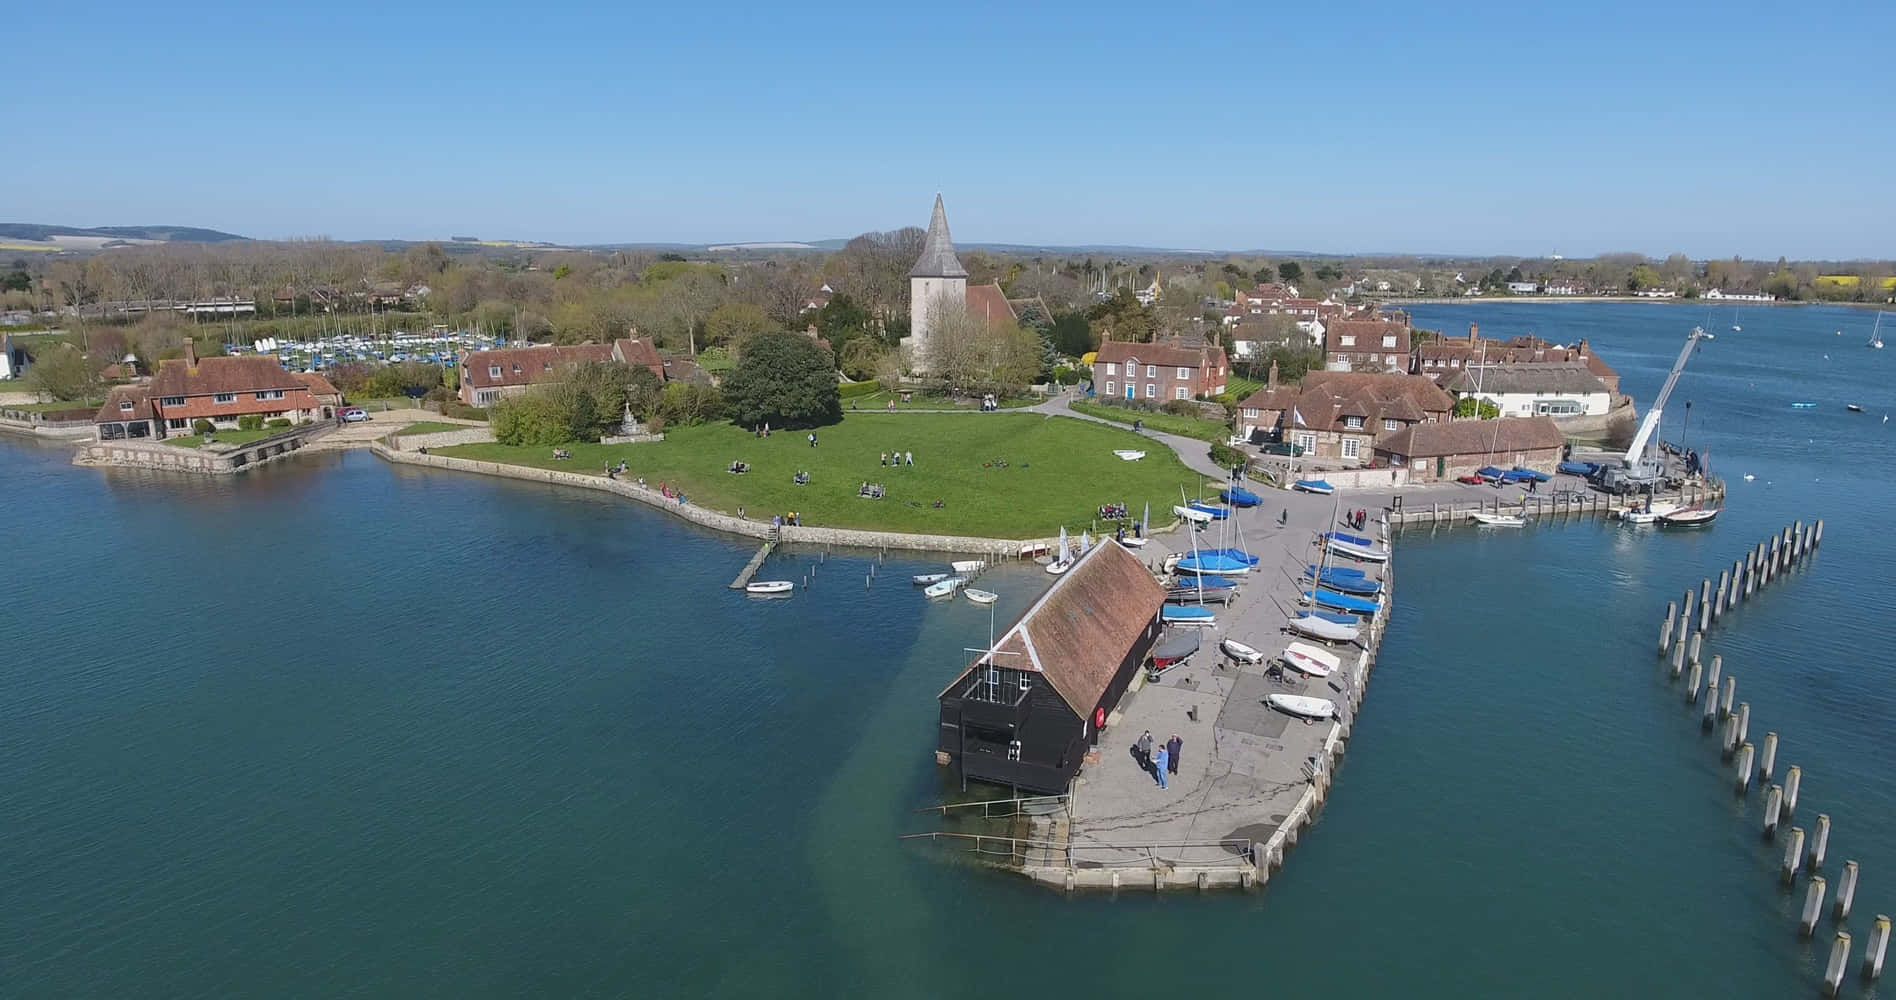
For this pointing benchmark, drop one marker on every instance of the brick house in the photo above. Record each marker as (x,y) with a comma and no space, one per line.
(321,388)
(1161,371)
(1341,415)
(1440,358)
(1355,344)
(1440,451)
(489,376)
(219,390)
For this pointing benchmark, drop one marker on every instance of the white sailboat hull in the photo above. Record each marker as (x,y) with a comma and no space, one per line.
(981,596)
(1311,661)
(1241,652)
(1353,551)
(1497,520)
(1188,514)
(1303,706)
(1323,628)
(770,587)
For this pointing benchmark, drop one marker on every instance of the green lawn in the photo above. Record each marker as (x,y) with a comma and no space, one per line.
(225,437)
(1203,430)
(54,407)
(932,401)
(378,405)
(1238,388)
(1059,471)
(429,427)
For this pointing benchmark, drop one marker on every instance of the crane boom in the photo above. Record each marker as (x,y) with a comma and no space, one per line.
(1636,454)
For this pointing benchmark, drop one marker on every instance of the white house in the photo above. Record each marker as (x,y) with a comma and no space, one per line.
(1523,287)
(1532,389)
(13,359)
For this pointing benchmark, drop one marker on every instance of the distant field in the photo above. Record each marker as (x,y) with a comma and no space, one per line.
(16,245)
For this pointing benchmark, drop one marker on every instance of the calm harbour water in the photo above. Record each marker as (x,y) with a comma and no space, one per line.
(337,728)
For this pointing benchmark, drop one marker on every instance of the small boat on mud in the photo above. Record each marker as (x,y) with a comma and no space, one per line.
(1311,661)
(768,587)
(1303,706)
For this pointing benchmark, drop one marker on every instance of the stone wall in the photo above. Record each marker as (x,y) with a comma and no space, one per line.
(990,548)
(72,430)
(144,453)
(444,439)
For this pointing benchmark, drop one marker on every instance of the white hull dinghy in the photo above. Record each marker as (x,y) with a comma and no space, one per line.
(770,587)
(981,596)
(924,579)
(1497,520)
(1310,661)
(1361,553)
(1241,652)
(943,588)
(1191,514)
(1059,566)
(1303,706)
(1133,543)
(1690,517)
(1187,614)
(968,566)
(1128,455)
(1323,628)
(1647,515)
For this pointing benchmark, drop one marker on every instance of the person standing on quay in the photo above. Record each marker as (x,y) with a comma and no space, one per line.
(1158,766)
(1144,748)
(1172,747)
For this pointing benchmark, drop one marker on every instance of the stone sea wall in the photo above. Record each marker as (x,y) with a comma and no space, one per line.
(990,548)
(444,439)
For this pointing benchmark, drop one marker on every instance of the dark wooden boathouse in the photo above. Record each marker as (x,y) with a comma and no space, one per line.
(1025,713)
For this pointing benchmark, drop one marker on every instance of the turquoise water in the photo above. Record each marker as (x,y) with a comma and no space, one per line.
(341,728)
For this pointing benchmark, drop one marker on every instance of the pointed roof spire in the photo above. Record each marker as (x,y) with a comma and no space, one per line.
(938,250)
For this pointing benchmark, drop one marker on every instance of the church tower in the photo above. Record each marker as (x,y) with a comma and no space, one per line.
(937,281)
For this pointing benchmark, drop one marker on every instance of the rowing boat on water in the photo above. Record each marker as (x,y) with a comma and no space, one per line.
(980,596)
(943,588)
(924,579)
(770,587)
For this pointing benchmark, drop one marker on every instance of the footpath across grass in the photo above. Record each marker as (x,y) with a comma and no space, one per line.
(1194,427)
(998,474)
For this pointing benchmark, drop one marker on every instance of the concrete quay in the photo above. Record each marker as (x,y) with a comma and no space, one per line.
(1251,778)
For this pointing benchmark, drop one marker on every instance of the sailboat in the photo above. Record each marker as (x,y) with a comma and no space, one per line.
(1062,555)
(1188,614)
(1876,333)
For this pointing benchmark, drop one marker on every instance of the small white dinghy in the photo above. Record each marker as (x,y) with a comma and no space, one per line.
(770,587)
(1192,514)
(1647,514)
(1497,520)
(1360,553)
(968,566)
(1128,455)
(924,579)
(981,596)
(1303,706)
(943,588)
(1241,652)
(1310,661)
(1317,627)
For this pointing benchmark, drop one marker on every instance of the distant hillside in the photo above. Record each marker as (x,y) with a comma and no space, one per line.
(41,233)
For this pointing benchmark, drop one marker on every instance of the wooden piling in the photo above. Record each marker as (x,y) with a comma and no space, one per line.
(1874,948)
(1793,776)
(1678,659)
(1692,683)
(1743,780)
(1813,905)
(1709,717)
(1705,612)
(1839,958)
(1718,598)
(1846,891)
(1751,573)
(1819,843)
(1767,758)
(1728,743)
(1686,607)
(1725,697)
(1737,573)
(1665,631)
(1744,720)
(1773,804)
(1711,677)
(1698,644)
(1793,856)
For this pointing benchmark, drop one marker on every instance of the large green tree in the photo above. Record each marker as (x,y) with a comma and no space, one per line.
(63,373)
(783,379)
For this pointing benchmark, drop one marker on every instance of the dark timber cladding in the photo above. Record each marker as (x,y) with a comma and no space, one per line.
(1024,714)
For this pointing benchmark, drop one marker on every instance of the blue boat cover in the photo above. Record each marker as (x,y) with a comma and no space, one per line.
(1314,484)
(1210,562)
(1185,611)
(1331,616)
(1344,602)
(1516,476)
(1579,468)
(1241,497)
(1217,513)
(1238,554)
(1539,477)
(1489,472)
(1310,568)
(1347,584)
(1207,580)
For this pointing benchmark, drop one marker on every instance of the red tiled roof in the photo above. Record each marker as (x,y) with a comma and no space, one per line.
(990,303)
(1078,633)
(1474,437)
(1369,334)
(1161,353)
(639,352)
(221,375)
(317,384)
(137,395)
(526,365)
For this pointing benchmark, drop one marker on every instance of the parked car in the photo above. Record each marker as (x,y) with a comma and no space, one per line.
(1292,450)
(354,414)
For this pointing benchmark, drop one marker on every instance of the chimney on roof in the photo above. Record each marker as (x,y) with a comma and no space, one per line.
(1271,383)
(190,354)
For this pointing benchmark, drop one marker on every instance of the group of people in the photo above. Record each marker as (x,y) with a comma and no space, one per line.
(989,404)
(761,430)
(793,519)
(898,458)
(612,471)
(1158,759)
(1358,518)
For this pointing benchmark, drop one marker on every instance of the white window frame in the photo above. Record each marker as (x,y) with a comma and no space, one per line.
(1350,447)
(1184,373)
(1111,387)
(125,406)
(1305,442)
(1390,424)
(1111,368)
(270,394)
(1151,391)
(1152,371)
(493,371)
(171,401)
(1389,340)
(224,397)
(1353,423)
(1181,392)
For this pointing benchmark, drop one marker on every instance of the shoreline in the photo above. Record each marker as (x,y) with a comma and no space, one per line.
(1622,299)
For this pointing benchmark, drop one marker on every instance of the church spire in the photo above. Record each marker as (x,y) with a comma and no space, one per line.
(938,250)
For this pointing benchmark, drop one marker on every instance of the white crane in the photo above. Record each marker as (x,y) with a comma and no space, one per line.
(1636,469)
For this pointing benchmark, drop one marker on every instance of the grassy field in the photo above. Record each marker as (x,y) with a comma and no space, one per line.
(1203,430)
(429,427)
(1238,388)
(53,407)
(1058,471)
(225,437)
(931,401)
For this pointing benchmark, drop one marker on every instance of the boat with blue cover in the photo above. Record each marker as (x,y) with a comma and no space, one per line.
(1317,486)
(1310,569)
(1217,512)
(1216,563)
(1586,469)
(1205,580)
(1490,473)
(1234,553)
(1187,614)
(1339,536)
(1342,602)
(1522,472)
(1240,497)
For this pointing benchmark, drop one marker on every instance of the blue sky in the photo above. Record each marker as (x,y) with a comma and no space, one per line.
(1714,129)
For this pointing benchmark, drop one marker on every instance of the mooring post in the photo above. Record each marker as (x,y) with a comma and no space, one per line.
(1846,890)
(1751,573)
(1725,697)
(1744,721)
(1728,743)
(1817,535)
(1771,561)
(1819,843)
(1711,677)
(1767,759)
(1709,717)
(1678,659)
(1743,780)
(1793,776)
(1685,608)
(1692,682)
(1813,905)
(1665,631)
(1793,856)
(1874,948)
(1839,958)
(1698,644)
(1718,599)
(1773,804)
(1737,573)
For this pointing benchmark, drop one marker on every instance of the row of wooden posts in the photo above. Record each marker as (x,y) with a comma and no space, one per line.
(1759,568)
